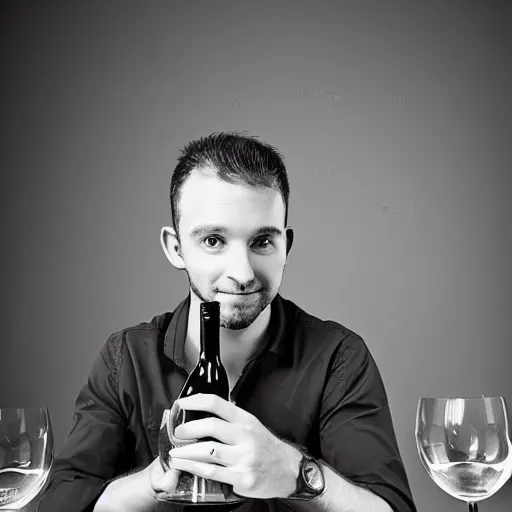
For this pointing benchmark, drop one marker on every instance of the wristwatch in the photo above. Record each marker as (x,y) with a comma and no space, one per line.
(310,481)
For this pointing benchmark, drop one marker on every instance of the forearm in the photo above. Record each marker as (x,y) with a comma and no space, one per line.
(341,495)
(128,494)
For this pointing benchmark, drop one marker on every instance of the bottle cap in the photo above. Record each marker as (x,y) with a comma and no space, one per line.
(210,309)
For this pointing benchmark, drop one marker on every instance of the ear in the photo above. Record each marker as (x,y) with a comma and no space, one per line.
(172,247)
(289,239)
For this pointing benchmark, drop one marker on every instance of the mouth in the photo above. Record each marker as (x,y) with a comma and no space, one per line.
(242,294)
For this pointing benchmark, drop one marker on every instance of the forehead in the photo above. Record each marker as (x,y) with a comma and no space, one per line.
(205,199)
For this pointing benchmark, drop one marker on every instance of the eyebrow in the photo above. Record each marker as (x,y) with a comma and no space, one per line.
(201,231)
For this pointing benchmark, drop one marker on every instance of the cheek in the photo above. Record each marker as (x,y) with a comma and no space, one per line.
(197,261)
(202,272)
(273,267)
(203,269)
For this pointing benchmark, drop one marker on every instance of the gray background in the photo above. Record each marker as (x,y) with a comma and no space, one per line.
(394,120)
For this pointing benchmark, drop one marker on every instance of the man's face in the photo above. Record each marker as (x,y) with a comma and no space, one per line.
(233,244)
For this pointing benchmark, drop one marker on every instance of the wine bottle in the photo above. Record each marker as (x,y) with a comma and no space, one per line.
(209,375)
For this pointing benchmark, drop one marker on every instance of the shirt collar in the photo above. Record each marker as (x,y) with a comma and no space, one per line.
(280,343)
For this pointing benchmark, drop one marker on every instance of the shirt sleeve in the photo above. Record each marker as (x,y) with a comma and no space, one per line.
(357,437)
(97,448)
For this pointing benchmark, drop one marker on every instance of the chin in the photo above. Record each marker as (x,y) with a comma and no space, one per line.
(238,320)
(236,325)
(237,317)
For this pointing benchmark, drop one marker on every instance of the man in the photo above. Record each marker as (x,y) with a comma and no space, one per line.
(308,426)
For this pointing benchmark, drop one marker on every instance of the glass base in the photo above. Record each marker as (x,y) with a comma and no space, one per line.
(194,490)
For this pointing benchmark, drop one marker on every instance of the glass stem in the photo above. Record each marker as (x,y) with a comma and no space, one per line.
(473,507)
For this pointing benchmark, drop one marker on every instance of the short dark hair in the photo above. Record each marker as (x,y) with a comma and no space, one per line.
(235,157)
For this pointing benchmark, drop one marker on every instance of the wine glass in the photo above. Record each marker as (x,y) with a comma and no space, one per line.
(190,489)
(464,445)
(26,455)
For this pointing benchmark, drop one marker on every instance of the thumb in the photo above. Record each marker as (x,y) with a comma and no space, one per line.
(163,481)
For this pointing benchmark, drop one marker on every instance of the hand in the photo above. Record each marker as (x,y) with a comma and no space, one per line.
(162,482)
(138,491)
(244,453)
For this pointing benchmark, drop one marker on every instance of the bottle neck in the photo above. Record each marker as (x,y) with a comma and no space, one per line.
(210,347)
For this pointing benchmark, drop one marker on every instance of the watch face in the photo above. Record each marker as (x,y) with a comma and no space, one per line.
(313,476)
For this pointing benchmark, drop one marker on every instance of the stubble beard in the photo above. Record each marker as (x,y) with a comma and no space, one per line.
(241,315)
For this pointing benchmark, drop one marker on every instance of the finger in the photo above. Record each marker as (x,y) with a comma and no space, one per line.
(208,451)
(213,404)
(219,429)
(161,480)
(203,470)
(168,482)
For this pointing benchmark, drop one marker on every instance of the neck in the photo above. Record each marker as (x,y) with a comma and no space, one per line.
(236,347)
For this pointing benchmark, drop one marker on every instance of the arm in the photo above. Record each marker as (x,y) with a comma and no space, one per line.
(138,491)
(99,446)
(126,493)
(354,498)
(356,438)
(356,432)
(339,495)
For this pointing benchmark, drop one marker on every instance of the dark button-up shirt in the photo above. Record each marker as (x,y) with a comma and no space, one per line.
(314,384)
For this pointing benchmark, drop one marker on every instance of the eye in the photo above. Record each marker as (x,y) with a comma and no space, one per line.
(211,242)
(263,242)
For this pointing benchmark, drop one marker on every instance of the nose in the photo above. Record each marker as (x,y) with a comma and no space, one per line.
(240,268)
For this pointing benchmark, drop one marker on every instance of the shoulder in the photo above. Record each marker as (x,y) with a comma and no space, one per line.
(348,362)
(135,333)
(326,334)
(329,346)
(132,339)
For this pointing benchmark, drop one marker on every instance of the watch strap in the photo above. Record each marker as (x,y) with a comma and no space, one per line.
(304,491)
